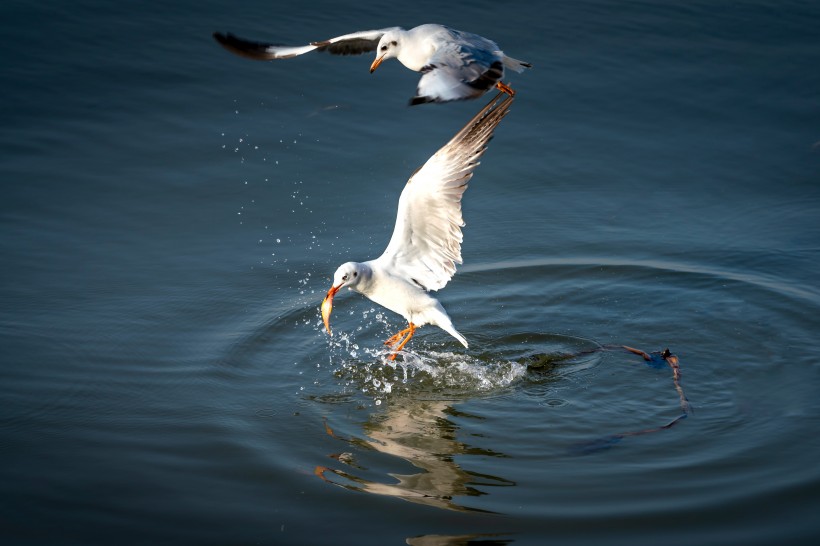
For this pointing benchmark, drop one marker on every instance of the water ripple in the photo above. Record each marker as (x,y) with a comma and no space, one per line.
(771,283)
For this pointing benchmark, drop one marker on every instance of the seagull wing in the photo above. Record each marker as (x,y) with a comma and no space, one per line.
(458,72)
(426,242)
(355,43)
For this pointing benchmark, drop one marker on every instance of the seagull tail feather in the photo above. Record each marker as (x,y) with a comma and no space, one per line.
(453,332)
(515,64)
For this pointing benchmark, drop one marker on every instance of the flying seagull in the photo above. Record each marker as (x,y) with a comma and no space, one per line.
(455,65)
(426,244)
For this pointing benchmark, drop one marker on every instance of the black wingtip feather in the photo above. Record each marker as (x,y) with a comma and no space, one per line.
(421,100)
(242,47)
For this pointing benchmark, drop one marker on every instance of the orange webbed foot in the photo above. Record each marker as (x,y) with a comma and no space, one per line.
(406,334)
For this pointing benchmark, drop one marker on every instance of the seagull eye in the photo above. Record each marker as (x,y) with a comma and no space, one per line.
(384,48)
(344,279)
(355,273)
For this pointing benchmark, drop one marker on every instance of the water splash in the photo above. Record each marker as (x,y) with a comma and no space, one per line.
(426,372)
(443,371)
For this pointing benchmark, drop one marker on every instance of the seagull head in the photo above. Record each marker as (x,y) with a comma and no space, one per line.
(349,275)
(388,48)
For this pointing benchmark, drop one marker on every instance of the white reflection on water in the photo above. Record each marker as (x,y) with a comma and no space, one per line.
(420,432)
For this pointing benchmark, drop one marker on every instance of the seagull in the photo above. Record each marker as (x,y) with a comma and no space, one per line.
(426,243)
(455,65)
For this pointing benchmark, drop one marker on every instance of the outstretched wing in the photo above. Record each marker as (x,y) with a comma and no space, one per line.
(426,242)
(349,44)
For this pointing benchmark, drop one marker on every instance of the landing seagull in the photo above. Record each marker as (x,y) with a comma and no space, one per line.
(426,244)
(455,65)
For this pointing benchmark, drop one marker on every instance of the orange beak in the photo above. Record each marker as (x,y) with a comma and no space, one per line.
(376,63)
(327,306)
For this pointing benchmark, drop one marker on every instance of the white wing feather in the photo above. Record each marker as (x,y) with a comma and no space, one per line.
(426,242)
(460,70)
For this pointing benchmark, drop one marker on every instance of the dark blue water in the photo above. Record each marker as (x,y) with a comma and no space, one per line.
(171,216)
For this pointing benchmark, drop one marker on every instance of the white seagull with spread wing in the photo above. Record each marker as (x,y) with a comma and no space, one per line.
(426,242)
(455,65)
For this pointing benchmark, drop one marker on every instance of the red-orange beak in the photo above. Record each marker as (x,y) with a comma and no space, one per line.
(327,306)
(376,63)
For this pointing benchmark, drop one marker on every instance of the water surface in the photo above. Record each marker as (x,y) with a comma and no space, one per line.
(172,215)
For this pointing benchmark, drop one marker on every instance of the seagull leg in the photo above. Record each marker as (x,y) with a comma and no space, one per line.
(392,340)
(505,88)
(407,333)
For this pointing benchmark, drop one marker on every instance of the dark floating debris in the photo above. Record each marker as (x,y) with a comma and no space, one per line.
(657,359)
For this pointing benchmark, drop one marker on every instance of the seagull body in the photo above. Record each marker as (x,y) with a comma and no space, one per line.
(455,65)
(426,243)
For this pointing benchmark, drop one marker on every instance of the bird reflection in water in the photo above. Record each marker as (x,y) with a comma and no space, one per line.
(420,432)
